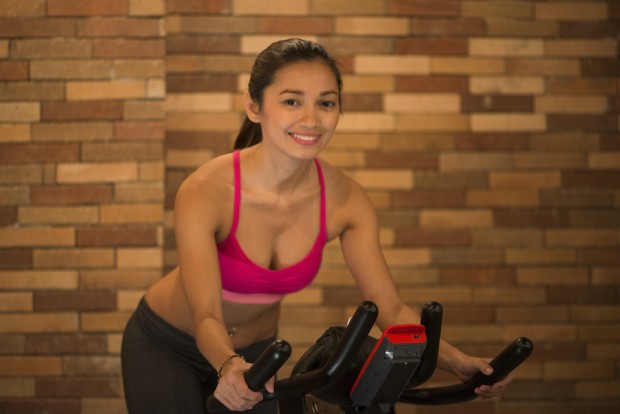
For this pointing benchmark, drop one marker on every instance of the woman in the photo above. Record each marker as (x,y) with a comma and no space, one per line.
(250,228)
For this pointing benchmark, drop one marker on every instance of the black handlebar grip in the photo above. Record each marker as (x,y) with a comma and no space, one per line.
(265,367)
(267,364)
(507,360)
(430,317)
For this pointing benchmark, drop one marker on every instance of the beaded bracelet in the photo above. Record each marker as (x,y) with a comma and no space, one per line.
(226,361)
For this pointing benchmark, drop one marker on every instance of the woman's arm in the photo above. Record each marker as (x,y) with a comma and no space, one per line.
(363,255)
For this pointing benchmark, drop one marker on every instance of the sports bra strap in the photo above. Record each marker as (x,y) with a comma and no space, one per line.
(237,206)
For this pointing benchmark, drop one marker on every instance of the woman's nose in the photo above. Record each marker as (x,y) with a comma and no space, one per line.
(310,117)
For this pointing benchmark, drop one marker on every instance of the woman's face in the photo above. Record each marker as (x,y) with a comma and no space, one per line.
(300,109)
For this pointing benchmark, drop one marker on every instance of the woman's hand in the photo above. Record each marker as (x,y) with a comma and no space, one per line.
(469,366)
(232,390)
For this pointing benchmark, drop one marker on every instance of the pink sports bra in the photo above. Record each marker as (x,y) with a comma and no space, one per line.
(246,282)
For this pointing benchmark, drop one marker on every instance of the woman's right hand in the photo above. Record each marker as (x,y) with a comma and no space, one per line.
(233,391)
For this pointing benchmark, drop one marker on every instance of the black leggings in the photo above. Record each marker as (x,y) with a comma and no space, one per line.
(164,372)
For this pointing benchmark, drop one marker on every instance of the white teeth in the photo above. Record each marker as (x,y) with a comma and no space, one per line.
(304,137)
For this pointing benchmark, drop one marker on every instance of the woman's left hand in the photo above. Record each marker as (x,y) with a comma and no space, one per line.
(470,366)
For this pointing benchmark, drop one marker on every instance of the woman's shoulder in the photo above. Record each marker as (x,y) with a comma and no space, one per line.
(211,182)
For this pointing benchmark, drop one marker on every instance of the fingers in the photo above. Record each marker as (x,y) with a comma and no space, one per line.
(237,398)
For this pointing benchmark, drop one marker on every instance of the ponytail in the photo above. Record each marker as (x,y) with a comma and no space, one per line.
(249,134)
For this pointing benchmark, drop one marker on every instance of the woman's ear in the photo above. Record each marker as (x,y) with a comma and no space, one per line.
(251,108)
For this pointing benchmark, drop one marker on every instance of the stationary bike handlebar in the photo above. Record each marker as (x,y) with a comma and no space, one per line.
(278,352)
(272,359)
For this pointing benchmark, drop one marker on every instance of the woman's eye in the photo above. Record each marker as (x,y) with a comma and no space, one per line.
(290,102)
(328,104)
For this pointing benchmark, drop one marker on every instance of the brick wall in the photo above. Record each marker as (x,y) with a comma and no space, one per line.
(486,132)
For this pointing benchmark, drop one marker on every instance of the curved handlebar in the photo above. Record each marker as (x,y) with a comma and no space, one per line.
(337,365)
(510,358)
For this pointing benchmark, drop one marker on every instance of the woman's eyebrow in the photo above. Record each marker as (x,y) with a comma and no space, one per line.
(298,92)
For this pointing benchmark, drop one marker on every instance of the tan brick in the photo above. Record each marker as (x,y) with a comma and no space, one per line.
(343,159)
(187,158)
(506,237)
(38,280)
(75,366)
(508,122)
(118,279)
(14,195)
(288,24)
(524,180)
(502,198)
(79,258)
(565,370)
(345,142)
(253,44)
(30,366)
(20,174)
(218,122)
(522,28)
(17,387)
(96,172)
(368,83)
(512,9)
(128,300)
(4,48)
(506,47)
(50,48)
(147,8)
(71,132)
(344,7)
(19,112)
(121,151)
(604,160)
(70,69)
(12,302)
(199,102)
(533,314)
(83,91)
(580,11)
(14,133)
(426,103)
(104,321)
(546,276)
(139,258)
(276,7)
(581,237)
(541,256)
(509,295)
(513,85)
(442,218)
(472,161)
(432,122)
(581,86)
(581,48)
(466,66)
(138,68)
(388,179)
(131,213)
(366,122)
(140,192)
(144,110)
(383,65)
(548,160)
(58,215)
(37,236)
(38,322)
(381,26)
(557,67)
(86,8)
(151,171)
(571,104)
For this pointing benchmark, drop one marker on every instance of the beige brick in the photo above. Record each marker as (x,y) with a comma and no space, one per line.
(39,366)
(368,83)
(308,296)
(70,69)
(139,258)
(38,322)
(14,133)
(131,213)
(503,198)
(139,192)
(36,236)
(38,280)
(442,218)
(96,172)
(505,47)
(187,158)
(15,302)
(144,110)
(14,195)
(73,258)
(581,48)
(128,300)
(19,112)
(72,132)
(97,91)
(407,257)
(424,103)
(383,65)
(104,321)
(275,7)
(582,237)
(383,179)
(505,122)
(463,161)
(510,85)
(571,104)
(344,159)
(552,276)
(381,26)
(604,160)
(147,7)
(512,9)
(343,7)
(75,366)
(58,215)
(199,102)
(151,171)
(155,88)
(254,44)
(352,142)
(432,123)
(57,48)
(17,387)
(524,180)
(217,122)
(579,11)
(467,66)
(541,256)
(366,122)
(118,279)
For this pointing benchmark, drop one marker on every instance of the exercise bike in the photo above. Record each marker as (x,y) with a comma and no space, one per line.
(348,372)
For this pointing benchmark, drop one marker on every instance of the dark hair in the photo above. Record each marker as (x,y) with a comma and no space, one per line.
(268,62)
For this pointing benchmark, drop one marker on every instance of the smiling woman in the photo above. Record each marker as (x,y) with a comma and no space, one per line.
(250,228)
